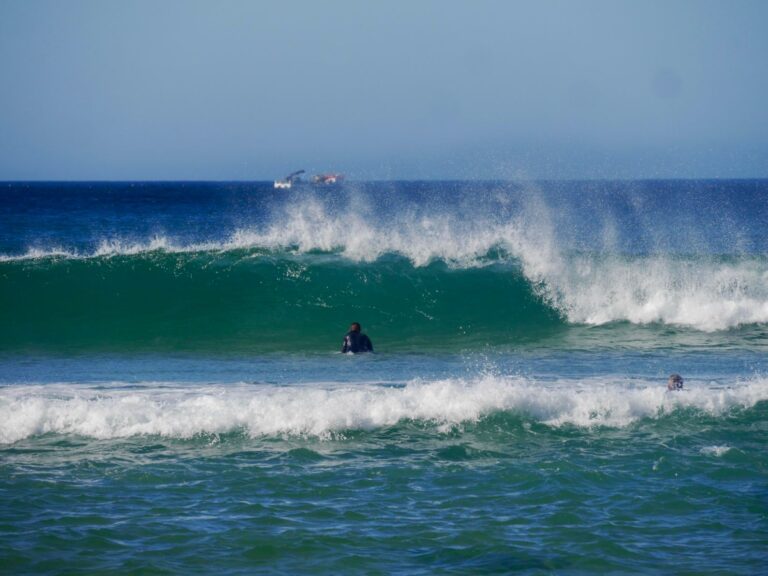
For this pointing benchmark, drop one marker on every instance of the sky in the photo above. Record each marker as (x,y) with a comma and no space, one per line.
(421,89)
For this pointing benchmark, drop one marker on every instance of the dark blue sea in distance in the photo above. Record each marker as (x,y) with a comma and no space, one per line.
(173,399)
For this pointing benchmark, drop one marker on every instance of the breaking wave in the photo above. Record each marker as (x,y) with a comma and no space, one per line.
(445,275)
(185,411)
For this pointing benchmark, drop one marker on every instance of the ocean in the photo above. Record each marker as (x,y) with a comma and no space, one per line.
(173,398)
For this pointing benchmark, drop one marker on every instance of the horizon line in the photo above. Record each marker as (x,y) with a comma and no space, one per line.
(381,180)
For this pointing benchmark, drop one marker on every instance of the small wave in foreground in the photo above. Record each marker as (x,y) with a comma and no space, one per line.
(322,410)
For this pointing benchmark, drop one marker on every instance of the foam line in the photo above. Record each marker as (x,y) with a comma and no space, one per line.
(320,410)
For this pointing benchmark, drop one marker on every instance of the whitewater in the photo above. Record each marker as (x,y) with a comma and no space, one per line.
(325,410)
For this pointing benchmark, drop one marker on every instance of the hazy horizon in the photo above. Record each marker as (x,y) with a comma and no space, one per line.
(240,91)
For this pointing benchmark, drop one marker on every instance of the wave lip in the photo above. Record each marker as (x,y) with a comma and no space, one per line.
(110,247)
(324,410)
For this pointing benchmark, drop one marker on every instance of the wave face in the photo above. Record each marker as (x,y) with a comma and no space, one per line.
(421,266)
(253,301)
(326,411)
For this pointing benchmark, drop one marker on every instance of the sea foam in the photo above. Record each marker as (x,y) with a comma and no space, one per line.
(321,410)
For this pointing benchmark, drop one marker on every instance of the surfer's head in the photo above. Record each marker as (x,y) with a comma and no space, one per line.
(355,327)
(675,382)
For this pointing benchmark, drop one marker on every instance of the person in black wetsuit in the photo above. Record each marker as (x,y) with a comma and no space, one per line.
(675,382)
(355,341)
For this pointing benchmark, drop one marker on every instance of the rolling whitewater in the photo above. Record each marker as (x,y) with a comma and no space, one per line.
(172,392)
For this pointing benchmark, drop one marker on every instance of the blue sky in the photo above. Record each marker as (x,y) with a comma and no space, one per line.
(122,90)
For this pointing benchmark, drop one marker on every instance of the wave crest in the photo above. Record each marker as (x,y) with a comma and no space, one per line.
(697,291)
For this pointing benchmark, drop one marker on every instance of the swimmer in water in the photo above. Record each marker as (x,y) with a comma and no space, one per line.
(355,341)
(675,382)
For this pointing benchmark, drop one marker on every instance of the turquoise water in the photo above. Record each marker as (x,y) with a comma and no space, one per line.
(172,399)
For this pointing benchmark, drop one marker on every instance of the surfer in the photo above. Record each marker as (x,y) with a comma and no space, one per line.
(355,341)
(675,382)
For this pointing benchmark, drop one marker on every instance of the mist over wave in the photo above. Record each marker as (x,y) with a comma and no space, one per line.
(323,410)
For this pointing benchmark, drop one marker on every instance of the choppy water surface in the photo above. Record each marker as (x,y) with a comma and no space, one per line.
(171,398)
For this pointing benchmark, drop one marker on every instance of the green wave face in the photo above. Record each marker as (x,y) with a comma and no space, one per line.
(249,301)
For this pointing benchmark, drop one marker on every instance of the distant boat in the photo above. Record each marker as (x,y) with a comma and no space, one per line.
(327,179)
(288,182)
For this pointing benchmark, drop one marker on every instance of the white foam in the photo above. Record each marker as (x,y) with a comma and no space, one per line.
(704,294)
(183,411)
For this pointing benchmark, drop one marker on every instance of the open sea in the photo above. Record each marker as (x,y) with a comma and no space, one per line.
(173,399)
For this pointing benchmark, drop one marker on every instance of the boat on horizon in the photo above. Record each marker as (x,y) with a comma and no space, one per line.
(288,182)
(328,179)
(325,179)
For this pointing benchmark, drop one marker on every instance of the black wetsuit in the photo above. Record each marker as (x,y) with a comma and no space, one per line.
(356,342)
